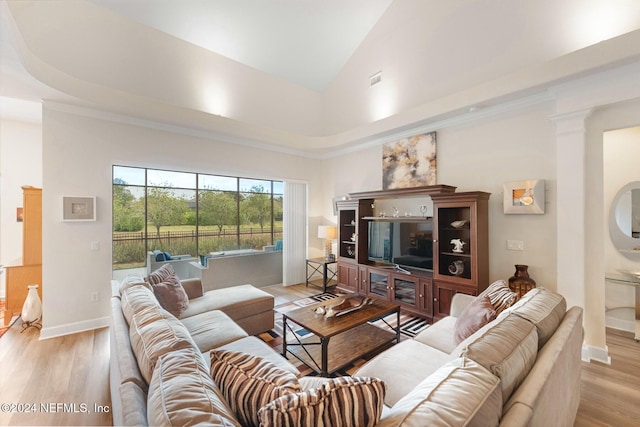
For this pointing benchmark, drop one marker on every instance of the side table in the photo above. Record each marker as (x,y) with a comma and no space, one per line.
(320,265)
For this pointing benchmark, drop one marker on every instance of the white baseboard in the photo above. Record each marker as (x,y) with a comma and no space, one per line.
(591,353)
(74,328)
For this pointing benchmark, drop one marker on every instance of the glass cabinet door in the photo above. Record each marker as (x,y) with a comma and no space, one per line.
(378,284)
(404,291)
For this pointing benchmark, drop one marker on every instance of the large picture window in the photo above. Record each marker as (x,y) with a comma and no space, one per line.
(186,213)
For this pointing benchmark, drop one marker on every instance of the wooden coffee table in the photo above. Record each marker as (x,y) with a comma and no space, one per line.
(338,341)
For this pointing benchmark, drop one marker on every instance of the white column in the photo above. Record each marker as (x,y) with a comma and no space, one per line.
(294,233)
(578,279)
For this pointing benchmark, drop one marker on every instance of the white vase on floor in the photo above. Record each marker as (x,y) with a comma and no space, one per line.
(32,307)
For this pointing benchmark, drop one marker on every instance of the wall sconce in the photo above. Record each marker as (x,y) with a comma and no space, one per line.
(328,232)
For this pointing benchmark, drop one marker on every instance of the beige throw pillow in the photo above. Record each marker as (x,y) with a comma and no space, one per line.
(475,316)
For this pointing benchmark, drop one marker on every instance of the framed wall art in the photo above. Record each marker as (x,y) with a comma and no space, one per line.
(409,162)
(78,208)
(524,197)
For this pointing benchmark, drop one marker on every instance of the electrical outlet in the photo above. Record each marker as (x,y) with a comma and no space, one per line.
(95,296)
(95,246)
(515,245)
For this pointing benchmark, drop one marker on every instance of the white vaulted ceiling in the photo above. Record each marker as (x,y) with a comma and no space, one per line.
(306,42)
(295,74)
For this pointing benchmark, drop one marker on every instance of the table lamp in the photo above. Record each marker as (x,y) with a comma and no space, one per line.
(328,232)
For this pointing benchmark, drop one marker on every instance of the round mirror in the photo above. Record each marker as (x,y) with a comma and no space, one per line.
(624,221)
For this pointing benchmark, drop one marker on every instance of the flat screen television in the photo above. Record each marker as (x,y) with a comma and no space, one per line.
(407,244)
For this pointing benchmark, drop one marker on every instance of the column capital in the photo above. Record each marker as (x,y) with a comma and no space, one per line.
(571,122)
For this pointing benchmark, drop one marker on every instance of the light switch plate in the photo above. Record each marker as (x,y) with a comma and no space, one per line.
(515,245)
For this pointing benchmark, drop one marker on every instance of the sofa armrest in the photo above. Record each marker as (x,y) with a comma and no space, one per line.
(193,287)
(459,302)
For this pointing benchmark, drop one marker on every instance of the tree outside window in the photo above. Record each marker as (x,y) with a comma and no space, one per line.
(189,213)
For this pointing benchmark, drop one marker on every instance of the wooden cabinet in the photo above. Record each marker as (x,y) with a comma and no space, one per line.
(425,297)
(352,241)
(408,290)
(460,239)
(32,226)
(30,271)
(352,229)
(461,247)
(348,276)
(363,282)
(443,293)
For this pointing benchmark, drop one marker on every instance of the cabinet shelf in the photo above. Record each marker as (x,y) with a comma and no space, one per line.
(456,254)
(348,242)
(398,218)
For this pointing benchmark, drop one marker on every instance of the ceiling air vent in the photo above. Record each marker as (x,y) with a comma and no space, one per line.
(375,79)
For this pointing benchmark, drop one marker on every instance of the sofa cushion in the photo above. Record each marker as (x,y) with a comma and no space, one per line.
(182,393)
(543,308)
(402,367)
(439,335)
(507,347)
(126,364)
(237,301)
(339,402)
(500,295)
(151,340)
(249,382)
(256,347)
(212,329)
(460,393)
(136,299)
(132,280)
(476,315)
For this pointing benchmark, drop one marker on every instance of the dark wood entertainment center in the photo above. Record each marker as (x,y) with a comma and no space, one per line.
(462,268)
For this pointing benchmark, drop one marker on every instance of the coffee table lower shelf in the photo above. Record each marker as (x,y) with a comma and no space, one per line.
(343,348)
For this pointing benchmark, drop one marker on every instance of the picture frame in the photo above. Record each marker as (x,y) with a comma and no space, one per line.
(78,208)
(524,197)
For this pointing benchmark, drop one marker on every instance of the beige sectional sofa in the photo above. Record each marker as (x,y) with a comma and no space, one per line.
(141,332)
(521,369)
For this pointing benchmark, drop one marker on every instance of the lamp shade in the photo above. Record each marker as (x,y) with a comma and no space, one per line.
(327,232)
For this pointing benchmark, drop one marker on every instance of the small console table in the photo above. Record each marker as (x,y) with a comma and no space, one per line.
(321,265)
(629,280)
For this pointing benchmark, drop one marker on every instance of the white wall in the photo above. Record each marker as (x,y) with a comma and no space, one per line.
(20,164)
(78,155)
(481,156)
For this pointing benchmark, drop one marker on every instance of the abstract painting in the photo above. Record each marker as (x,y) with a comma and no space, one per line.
(409,162)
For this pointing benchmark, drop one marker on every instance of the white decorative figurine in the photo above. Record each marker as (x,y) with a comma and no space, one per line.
(32,308)
(457,245)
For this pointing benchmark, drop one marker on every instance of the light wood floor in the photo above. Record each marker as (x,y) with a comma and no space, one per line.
(75,369)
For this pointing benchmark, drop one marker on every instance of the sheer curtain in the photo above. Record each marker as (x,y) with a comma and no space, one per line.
(294,233)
